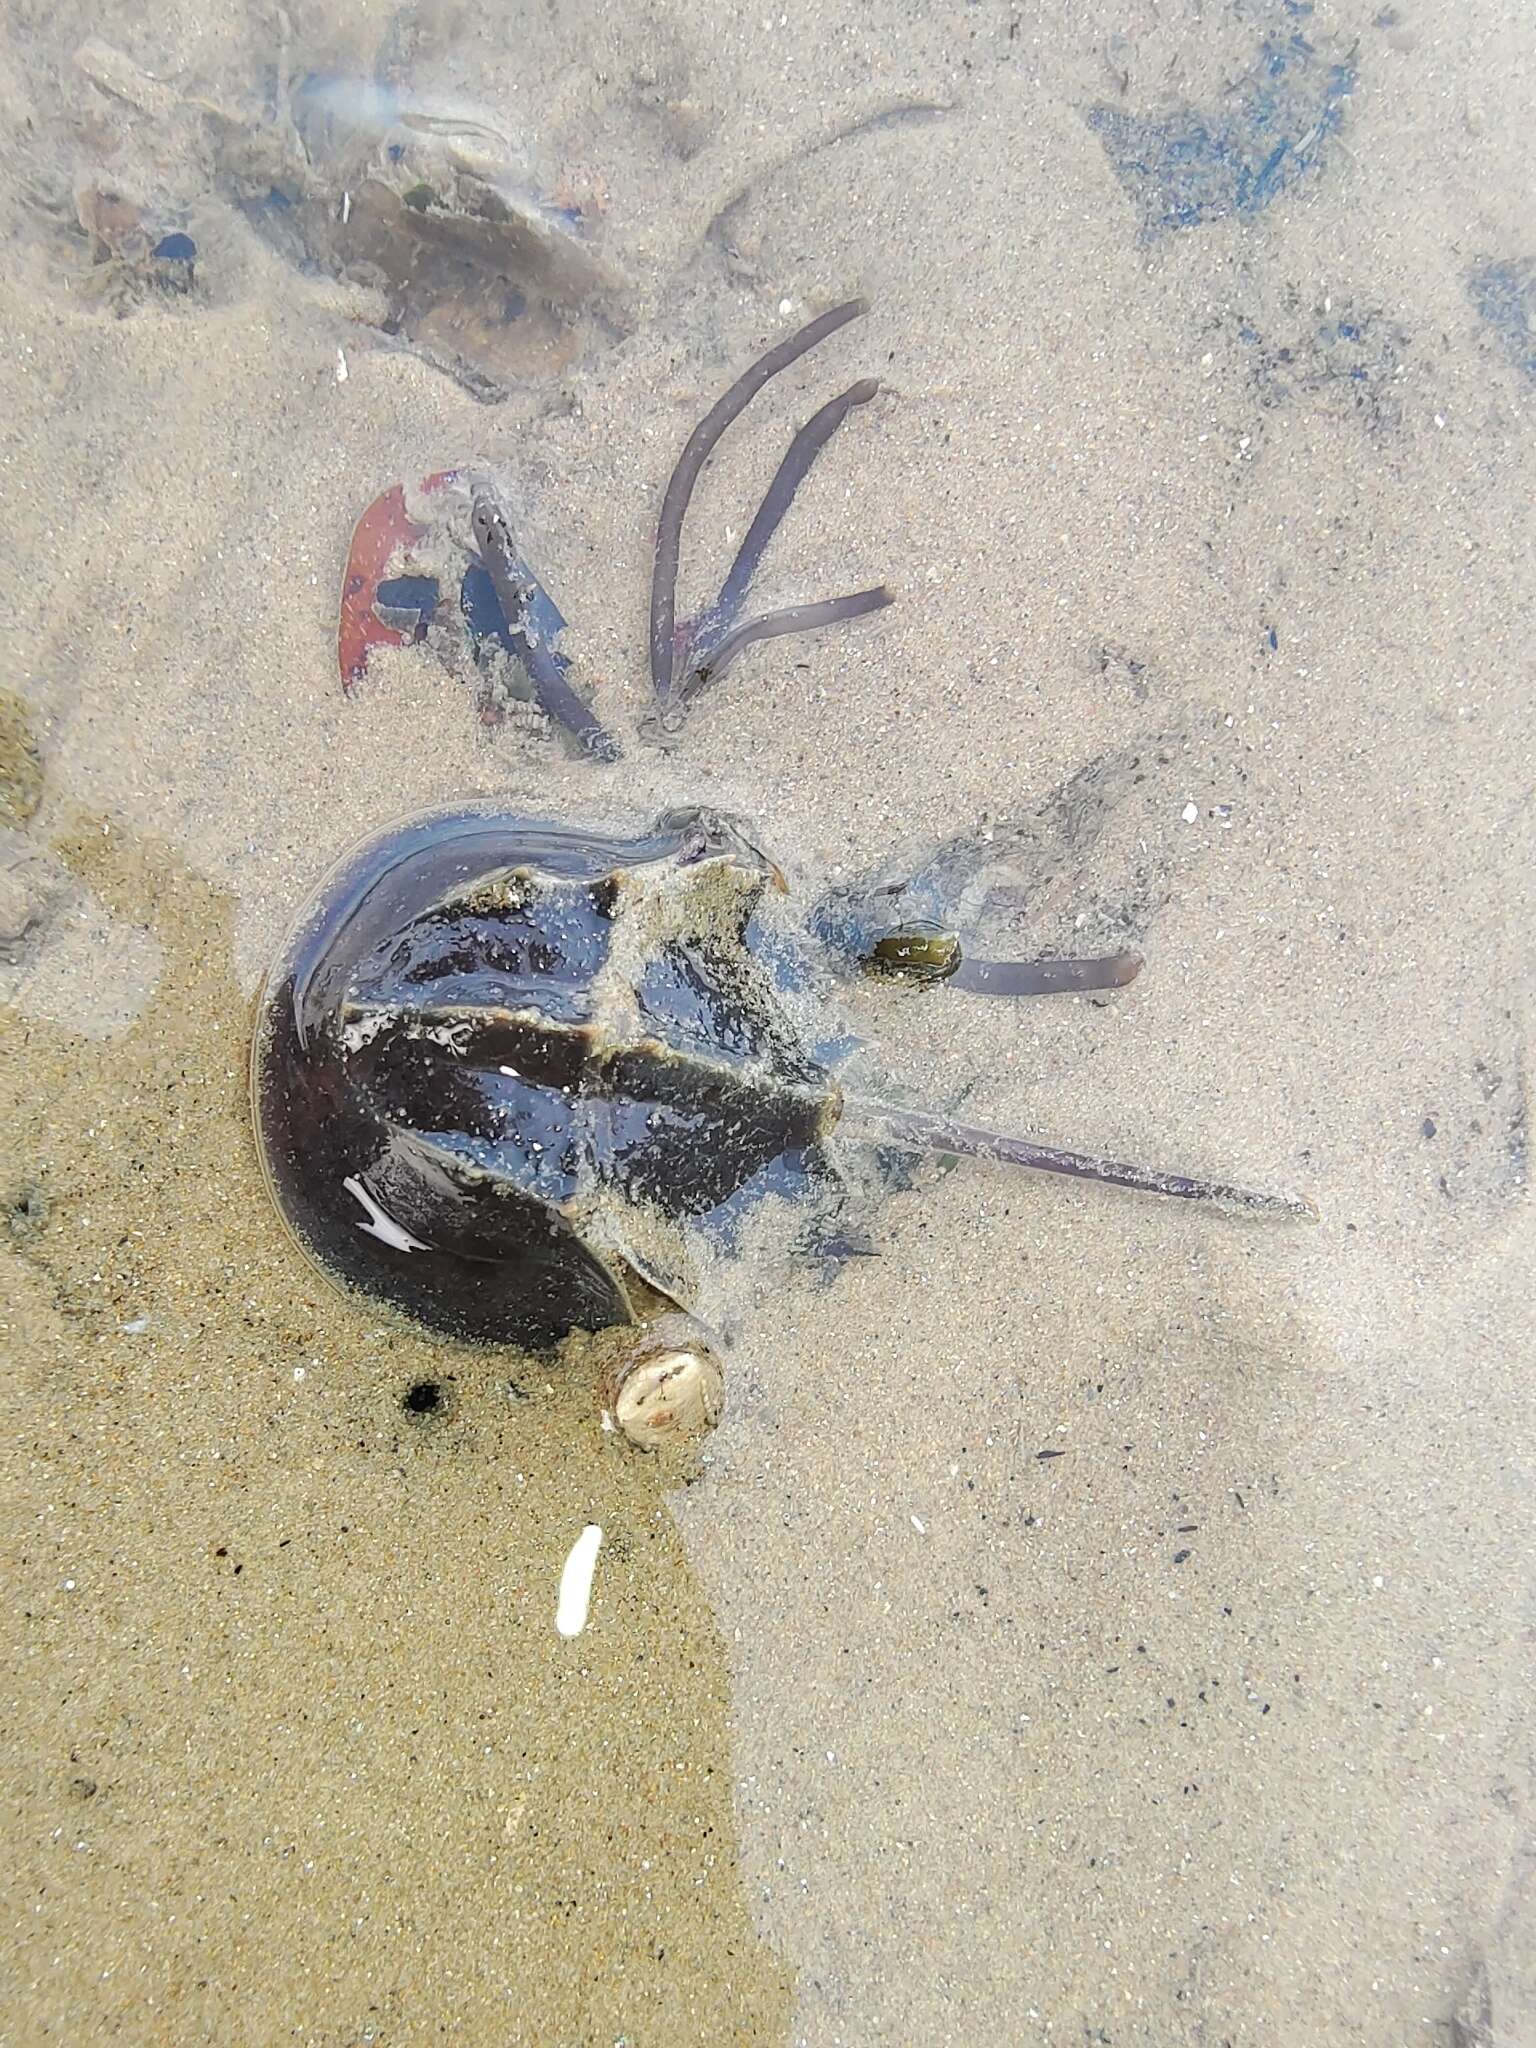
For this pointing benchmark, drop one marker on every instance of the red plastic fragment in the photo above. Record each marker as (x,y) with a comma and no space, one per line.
(384,529)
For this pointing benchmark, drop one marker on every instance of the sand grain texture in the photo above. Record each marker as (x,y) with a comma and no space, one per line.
(1096,1620)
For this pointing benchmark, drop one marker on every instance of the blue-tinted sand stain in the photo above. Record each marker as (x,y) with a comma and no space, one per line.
(1349,362)
(1504,294)
(1209,163)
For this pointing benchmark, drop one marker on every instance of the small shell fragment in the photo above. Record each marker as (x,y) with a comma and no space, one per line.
(576,1582)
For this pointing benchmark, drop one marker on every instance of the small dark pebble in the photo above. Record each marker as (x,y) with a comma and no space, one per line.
(1050,1454)
(1428,1127)
(1179,1556)
(28,1211)
(175,257)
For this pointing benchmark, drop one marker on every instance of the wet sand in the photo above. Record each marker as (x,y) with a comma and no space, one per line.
(1096,1619)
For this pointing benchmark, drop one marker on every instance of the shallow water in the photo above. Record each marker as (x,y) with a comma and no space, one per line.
(1096,1619)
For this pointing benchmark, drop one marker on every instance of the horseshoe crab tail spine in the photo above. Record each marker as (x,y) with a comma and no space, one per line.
(1044,977)
(925,1133)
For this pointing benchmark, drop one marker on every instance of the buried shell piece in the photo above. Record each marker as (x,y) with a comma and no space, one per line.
(431,205)
(388,601)
(382,535)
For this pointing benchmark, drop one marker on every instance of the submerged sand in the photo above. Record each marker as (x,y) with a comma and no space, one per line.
(1096,1620)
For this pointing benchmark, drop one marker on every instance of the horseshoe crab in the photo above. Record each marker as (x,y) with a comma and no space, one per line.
(522,1079)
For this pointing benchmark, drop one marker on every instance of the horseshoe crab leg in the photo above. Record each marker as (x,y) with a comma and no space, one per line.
(714,640)
(531,615)
(706,667)
(791,473)
(926,1133)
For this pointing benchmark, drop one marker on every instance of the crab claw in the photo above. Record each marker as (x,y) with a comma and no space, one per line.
(378,610)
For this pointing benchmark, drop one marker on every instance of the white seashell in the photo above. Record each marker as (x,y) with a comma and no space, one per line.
(576,1581)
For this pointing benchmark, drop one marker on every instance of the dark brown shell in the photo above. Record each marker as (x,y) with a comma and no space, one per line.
(502,1067)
